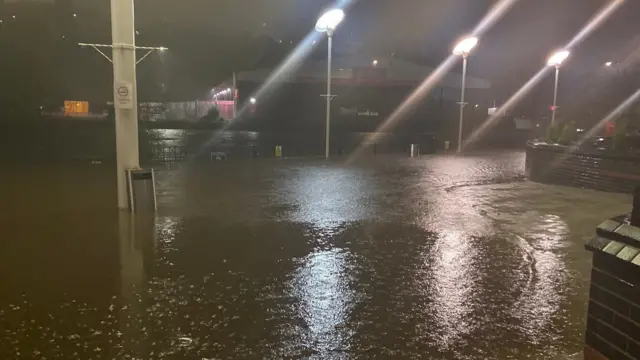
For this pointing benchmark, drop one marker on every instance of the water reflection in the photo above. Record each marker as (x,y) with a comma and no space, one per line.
(327,196)
(540,301)
(322,287)
(452,286)
(137,248)
(388,258)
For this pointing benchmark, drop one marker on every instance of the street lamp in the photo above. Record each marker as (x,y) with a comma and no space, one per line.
(463,48)
(556,60)
(328,23)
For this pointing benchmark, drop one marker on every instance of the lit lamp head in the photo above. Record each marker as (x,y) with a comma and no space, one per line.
(558,58)
(464,46)
(329,21)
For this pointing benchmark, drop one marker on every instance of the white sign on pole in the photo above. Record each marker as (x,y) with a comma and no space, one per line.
(492,111)
(123,95)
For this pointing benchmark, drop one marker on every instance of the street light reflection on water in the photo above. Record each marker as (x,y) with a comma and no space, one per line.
(387,258)
(453,285)
(322,285)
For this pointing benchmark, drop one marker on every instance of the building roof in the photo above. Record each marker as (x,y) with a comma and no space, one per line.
(387,72)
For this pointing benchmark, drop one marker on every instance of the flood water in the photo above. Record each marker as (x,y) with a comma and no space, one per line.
(440,257)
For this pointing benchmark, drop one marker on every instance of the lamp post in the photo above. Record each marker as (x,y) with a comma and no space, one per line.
(556,60)
(463,48)
(125,89)
(328,23)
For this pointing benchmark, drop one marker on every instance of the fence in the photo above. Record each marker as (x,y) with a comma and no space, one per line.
(184,110)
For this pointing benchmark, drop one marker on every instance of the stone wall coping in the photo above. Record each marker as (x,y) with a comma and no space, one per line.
(557,148)
(616,237)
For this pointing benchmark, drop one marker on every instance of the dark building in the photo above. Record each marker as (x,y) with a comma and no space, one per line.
(367,92)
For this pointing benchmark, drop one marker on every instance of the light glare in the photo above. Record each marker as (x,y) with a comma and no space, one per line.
(558,58)
(465,46)
(330,20)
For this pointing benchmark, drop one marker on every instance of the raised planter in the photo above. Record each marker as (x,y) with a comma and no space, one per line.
(613,317)
(556,164)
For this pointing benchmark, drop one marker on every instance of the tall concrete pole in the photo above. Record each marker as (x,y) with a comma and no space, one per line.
(124,76)
(328,120)
(555,96)
(462,103)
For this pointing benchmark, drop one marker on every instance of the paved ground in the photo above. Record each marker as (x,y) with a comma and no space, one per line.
(441,257)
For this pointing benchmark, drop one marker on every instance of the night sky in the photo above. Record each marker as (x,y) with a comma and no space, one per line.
(422,31)
(427,27)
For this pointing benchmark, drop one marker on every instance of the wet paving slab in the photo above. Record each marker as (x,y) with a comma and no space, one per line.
(440,257)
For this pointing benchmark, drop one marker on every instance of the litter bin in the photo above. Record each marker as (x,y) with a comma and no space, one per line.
(141,187)
(415,150)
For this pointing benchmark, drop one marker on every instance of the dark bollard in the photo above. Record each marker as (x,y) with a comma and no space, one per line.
(635,213)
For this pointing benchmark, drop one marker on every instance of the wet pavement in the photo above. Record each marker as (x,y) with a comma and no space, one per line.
(440,257)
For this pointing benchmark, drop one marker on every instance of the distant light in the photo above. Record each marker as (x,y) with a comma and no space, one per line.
(13,16)
(264,24)
(608,63)
(477,105)
(464,46)
(340,69)
(280,41)
(75,15)
(253,100)
(314,41)
(228,89)
(330,20)
(162,48)
(137,32)
(537,125)
(375,62)
(579,130)
(558,58)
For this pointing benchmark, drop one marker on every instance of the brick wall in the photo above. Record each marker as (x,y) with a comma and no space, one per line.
(606,172)
(613,319)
